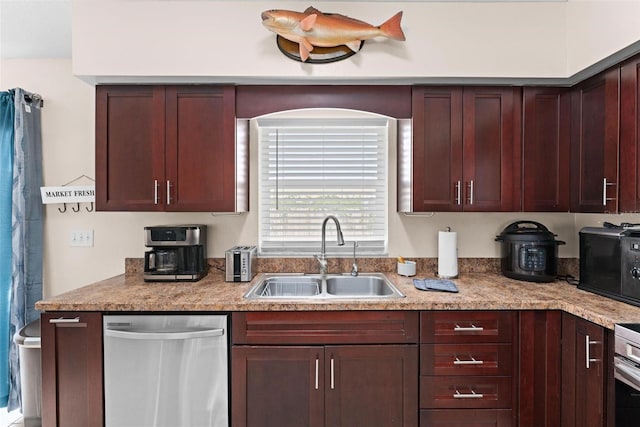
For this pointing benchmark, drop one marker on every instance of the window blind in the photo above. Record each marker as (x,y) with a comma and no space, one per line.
(311,168)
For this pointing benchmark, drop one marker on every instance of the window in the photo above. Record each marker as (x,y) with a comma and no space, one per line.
(311,167)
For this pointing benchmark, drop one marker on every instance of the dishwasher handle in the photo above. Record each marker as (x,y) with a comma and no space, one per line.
(133,334)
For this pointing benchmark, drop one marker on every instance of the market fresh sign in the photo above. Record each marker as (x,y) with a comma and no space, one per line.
(68,194)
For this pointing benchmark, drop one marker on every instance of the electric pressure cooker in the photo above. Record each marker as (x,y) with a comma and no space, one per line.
(529,252)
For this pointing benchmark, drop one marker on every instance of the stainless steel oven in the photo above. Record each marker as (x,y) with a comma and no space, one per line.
(627,374)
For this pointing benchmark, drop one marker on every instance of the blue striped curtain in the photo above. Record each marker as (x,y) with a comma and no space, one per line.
(27,215)
(21,230)
(7,114)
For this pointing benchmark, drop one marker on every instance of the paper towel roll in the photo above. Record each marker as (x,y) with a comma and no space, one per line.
(447,254)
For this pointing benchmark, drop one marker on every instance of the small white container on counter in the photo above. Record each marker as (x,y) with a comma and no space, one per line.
(407,268)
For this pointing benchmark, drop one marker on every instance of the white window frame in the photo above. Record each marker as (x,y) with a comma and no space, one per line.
(272,246)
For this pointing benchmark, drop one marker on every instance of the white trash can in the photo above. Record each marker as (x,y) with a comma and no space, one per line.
(28,341)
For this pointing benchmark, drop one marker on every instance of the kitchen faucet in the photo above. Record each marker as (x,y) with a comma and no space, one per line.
(322,258)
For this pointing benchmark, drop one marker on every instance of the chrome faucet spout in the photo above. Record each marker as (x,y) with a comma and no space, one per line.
(322,258)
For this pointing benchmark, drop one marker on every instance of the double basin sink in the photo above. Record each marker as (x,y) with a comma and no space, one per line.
(317,287)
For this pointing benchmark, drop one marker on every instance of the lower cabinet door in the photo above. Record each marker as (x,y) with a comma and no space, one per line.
(466,418)
(584,373)
(315,386)
(372,386)
(277,386)
(72,393)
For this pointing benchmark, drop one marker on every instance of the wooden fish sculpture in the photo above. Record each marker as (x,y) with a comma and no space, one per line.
(314,28)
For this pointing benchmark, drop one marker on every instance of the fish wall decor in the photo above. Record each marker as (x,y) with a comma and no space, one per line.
(313,29)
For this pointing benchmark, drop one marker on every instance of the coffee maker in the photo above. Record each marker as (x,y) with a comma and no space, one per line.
(178,253)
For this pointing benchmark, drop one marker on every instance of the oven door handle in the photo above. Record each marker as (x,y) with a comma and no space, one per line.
(629,373)
(630,355)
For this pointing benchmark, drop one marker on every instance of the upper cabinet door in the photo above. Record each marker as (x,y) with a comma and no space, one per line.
(466,151)
(166,148)
(200,148)
(437,149)
(129,148)
(629,136)
(491,146)
(594,143)
(546,140)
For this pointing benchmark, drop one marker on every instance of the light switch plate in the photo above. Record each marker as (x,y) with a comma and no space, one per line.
(82,238)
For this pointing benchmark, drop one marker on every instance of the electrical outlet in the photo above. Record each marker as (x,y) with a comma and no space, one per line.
(82,238)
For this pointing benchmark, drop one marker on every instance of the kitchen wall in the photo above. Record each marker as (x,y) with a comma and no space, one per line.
(68,125)
(595,28)
(224,40)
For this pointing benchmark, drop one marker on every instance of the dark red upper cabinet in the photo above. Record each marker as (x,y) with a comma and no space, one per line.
(200,148)
(165,148)
(546,145)
(129,147)
(466,149)
(492,150)
(629,136)
(594,143)
(437,149)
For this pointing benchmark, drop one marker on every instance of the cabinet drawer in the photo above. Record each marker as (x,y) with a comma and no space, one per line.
(466,326)
(326,327)
(465,392)
(466,359)
(466,418)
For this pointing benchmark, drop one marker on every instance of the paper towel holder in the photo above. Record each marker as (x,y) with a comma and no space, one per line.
(447,268)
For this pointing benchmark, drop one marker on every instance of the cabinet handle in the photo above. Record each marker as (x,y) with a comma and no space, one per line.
(168,192)
(458,193)
(471,192)
(65,320)
(473,361)
(472,395)
(317,371)
(155,191)
(471,328)
(588,344)
(605,184)
(333,383)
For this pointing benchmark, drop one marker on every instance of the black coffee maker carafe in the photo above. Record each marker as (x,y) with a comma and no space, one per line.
(178,253)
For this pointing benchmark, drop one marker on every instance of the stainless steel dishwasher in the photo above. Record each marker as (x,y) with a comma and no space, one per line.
(166,370)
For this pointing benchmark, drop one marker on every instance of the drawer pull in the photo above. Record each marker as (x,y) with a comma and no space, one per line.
(473,361)
(472,395)
(65,320)
(471,328)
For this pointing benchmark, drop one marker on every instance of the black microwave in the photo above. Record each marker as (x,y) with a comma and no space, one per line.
(610,262)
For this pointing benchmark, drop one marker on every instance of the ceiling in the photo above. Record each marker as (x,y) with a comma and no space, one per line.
(35,29)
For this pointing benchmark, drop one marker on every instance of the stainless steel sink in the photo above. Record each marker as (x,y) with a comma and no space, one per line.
(360,286)
(312,286)
(285,287)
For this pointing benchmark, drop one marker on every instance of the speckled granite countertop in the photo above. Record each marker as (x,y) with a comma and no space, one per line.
(478,291)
